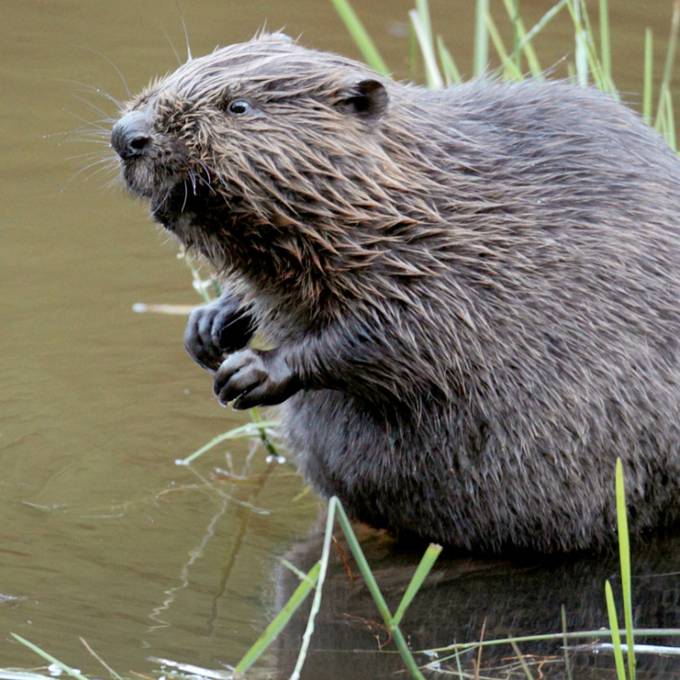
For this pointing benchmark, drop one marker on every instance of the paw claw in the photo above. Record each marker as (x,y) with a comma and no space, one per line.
(251,378)
(216,329)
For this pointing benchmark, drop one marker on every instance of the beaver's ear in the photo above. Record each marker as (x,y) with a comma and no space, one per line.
(365,98)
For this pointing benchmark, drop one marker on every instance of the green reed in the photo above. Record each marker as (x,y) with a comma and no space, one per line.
(314,580)
(589,60)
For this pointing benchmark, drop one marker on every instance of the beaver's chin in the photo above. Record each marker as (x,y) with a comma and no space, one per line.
(173,206)
(187,210)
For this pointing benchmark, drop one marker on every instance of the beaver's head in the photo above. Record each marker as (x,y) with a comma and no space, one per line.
(260,137)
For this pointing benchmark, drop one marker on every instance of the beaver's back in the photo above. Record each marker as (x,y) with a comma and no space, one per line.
(566,355)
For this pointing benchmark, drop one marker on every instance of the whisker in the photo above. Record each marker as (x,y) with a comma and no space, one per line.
(110,97)
(111,63)
(100,161)
(82,156)
(100,141)
(98,171)
(205,169)
(90,135)
(111,161)
(86,122)
(83,135)
(94,107)
(164,199)
(172,46)
(186,33)
(186,196)
(95,89)
(98,125)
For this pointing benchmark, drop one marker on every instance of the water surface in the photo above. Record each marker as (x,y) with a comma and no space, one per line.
(102,536)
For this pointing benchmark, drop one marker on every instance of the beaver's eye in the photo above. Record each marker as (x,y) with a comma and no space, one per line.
(238,107)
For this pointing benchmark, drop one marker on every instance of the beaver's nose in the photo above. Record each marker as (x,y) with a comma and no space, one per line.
(131,135)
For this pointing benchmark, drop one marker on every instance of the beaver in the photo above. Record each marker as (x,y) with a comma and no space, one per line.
(470,295)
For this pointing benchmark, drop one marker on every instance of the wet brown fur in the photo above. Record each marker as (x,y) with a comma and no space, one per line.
(477,287)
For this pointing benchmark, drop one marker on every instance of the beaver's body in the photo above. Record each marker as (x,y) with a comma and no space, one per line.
(474,294)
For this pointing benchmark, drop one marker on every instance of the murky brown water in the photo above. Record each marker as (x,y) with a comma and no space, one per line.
(101,535)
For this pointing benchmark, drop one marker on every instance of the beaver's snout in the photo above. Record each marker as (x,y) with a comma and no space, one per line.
(131,135)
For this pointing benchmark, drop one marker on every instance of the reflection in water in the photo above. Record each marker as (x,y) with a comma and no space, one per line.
(195,554)
(243,500)
(466,599)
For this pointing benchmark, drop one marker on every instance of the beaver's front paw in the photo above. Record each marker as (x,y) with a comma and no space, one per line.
(216,329)
(255,378)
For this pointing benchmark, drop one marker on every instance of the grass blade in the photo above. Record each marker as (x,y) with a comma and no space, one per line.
(449,67)
(73,672)
(362,565)
(614,629)
(281,620)
(648,79)
(660,650)
(209,288)
(571,73)
(543,22)
(251,429)
(624,558)
(670,117)
(672,44)
(510,70)
(360,35)
(565,642)
(605,46)
(426,563)
(9,674)
(586,56)
(513,12)
(575,635)
(581,48)
(668,64)
(481,53)
(591,50)
(316,602)
(412,53)
(88,646)
(660,123)
(522,45)
(420,19)
(522,660)
(459,666)
(264,435)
